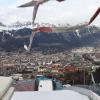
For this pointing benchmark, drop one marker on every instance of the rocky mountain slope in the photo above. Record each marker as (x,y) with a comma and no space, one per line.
(14,36)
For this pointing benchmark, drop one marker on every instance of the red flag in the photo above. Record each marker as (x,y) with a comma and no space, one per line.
(94,16)
(43,29)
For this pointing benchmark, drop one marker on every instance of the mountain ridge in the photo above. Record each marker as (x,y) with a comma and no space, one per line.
(74,36)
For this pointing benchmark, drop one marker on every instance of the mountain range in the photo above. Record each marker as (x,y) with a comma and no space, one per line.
(13,37)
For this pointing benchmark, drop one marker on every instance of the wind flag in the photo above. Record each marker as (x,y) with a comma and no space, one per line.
(43,29)
(36,4)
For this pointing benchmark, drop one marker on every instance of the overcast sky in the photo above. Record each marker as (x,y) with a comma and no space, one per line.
(70,11)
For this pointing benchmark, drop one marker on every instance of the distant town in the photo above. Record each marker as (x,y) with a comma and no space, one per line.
(71,67)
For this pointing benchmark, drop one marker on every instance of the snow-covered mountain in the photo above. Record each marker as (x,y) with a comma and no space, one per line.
(15,35)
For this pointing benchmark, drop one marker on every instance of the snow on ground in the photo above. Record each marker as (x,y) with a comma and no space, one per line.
(49,95)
